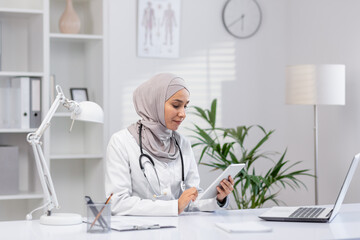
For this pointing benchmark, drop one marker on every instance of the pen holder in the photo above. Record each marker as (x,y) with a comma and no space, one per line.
(98,218)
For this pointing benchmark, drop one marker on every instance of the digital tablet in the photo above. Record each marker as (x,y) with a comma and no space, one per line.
(231,170)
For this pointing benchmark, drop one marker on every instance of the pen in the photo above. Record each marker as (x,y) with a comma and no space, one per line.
(102,209)
(141,227)
(95,211)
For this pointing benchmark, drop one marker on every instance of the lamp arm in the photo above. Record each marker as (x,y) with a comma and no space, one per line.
(60,98)
(45,177)
(42,168)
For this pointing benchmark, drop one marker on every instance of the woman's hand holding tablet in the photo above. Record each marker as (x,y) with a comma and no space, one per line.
(232,170)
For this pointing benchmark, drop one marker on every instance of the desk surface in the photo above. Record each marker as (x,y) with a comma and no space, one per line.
(197,225)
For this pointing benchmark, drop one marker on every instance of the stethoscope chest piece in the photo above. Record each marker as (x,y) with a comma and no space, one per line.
(182,186)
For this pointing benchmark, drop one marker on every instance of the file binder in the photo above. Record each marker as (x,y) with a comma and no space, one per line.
(9,170)
(35,102)
(22,118)
(52,84)
(5,113)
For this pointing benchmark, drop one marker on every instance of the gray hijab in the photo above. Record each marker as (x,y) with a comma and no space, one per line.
(149,101)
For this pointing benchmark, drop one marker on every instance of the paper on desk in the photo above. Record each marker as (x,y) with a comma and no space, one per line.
(121,222)
(243,227)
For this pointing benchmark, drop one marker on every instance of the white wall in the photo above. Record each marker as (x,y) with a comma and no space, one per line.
(325,32)
(248,77)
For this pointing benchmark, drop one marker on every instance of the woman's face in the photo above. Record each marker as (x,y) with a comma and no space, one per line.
(175,109)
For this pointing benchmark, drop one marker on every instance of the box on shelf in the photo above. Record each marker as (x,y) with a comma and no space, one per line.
(9,170)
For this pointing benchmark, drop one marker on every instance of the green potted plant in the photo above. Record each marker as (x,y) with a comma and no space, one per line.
(225,146)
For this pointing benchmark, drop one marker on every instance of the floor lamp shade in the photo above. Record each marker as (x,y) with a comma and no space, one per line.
(315,84)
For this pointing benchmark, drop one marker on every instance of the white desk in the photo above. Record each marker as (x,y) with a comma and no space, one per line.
(197,226)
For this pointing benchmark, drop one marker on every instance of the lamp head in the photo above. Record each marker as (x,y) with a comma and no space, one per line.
(88,111)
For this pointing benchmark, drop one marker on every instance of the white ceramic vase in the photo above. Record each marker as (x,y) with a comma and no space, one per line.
(69,20)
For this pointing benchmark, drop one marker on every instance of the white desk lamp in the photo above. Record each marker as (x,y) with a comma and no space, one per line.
(83,111)
(322,84)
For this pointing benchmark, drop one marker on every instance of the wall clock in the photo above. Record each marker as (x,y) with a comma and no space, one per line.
(242,18)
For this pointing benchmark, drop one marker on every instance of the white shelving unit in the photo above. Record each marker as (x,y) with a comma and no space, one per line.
(77,60)
(22,50)
(33,46)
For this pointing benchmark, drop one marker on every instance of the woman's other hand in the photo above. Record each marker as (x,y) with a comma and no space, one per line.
(187,196)
(225,188)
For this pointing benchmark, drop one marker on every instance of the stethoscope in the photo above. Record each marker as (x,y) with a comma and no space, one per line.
(158,194)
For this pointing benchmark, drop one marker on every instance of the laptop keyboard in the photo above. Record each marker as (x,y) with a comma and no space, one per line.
(307,212)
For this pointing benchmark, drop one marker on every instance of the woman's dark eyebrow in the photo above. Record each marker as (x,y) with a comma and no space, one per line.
(181,101)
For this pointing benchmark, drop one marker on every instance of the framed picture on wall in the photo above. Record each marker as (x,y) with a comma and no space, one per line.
(79,94)
(158,28)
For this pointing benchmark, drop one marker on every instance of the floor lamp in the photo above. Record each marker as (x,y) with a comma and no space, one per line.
(322,84)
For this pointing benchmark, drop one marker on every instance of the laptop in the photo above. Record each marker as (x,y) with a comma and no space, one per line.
(312,213)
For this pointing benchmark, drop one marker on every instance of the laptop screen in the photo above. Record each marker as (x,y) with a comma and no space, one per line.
(345,187)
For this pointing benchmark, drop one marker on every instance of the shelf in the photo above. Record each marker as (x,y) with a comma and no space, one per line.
(74,37)
(75,156)
(16,130)
(22,196)
(14,12)
(21,74)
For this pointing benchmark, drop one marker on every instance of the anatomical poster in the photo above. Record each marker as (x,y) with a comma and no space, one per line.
(158,28)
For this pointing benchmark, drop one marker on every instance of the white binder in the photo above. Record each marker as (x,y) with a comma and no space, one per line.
(22,118)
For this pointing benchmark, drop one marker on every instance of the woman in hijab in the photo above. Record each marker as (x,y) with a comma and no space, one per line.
(150,167)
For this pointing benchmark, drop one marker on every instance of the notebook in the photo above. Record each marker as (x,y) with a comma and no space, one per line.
(313,213)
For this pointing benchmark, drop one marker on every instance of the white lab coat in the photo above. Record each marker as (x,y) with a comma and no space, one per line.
(132,192)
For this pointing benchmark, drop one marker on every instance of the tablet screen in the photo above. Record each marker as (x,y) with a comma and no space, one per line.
(231,170)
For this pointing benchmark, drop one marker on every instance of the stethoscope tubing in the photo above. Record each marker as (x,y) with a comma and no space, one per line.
(142,154)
